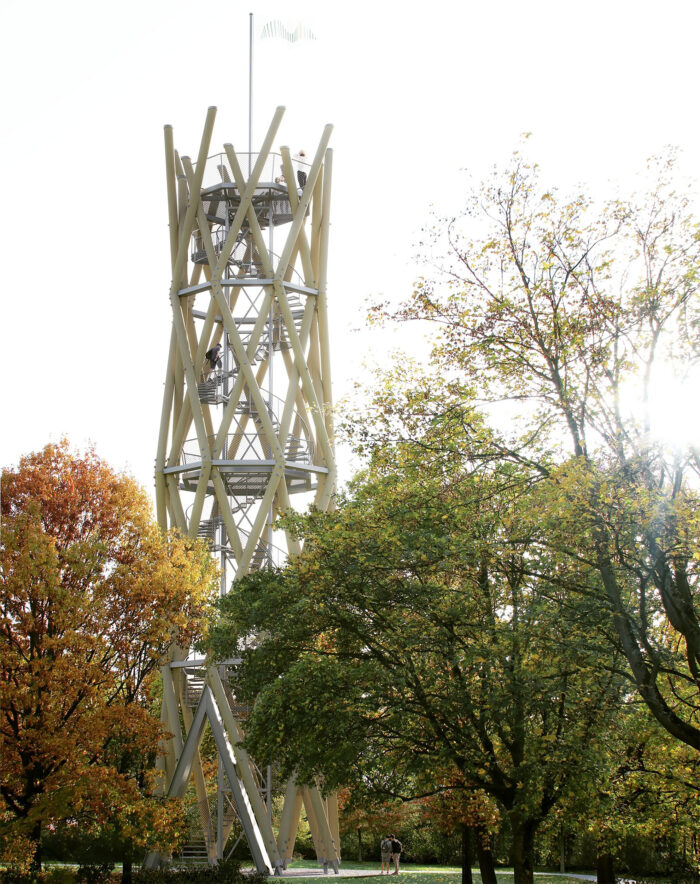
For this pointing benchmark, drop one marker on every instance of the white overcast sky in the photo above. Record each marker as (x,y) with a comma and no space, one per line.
(417,93)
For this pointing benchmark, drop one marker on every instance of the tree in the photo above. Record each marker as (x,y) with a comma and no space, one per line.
(651,797)
(518,527)
(362,812)
(569,314)
(472,813)
(91,597)
(415,636)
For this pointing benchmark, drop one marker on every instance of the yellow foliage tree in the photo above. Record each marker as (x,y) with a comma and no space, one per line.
(92,594)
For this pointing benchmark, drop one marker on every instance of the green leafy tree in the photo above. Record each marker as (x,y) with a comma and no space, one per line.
(642,814)
(651,796)
(416,635)
(554,320)
(519,525)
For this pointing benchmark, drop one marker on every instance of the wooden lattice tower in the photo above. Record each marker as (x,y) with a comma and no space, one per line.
(249,245)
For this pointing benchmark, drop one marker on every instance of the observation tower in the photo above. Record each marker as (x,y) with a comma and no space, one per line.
(245,432)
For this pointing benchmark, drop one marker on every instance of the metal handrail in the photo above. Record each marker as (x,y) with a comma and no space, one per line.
(276,555)
(247,447)
(198,253)
(275,407)
(270,172)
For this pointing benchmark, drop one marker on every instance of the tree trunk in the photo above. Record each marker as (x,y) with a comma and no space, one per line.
(562,851)
(522,851)
(483,852)
(36,840)
(466,854)
(359,845)
(605,871)
(127,864)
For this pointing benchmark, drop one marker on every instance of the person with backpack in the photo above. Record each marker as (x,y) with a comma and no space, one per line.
(214,357)
(396,848)
(385,850)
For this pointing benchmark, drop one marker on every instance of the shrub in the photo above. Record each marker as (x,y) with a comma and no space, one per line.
(93,873)
(226,872)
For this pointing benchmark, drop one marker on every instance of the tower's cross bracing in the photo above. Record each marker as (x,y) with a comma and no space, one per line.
(246,427)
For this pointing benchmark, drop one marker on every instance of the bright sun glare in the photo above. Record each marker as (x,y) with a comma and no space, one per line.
(674,406)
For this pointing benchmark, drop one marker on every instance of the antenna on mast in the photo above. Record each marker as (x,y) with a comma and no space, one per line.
(250,92)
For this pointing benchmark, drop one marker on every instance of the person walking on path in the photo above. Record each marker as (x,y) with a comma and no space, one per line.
(396,848)
(385,850)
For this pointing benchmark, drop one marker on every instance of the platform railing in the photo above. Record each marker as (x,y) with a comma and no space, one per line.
(248,446)
(217,166)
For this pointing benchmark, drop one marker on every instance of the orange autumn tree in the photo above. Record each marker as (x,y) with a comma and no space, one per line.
(376,818)
(457,806)
(91,596)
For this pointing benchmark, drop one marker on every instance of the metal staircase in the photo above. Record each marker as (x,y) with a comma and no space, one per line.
(194,853)
(194,686)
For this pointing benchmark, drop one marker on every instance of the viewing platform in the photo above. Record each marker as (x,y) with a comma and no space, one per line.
(220,193)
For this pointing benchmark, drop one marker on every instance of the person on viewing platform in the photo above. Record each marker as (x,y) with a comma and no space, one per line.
(302,163)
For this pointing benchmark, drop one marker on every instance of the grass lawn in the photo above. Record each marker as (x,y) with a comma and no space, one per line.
(504,876)
(417,874)
(431,874)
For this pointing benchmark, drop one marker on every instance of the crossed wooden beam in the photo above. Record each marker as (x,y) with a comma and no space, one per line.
(222,436)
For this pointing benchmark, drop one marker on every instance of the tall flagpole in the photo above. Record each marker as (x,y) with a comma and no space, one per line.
(250,93)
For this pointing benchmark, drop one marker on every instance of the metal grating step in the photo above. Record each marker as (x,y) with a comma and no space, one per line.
(194,686)
(194,853)
(261,557)
(207,528)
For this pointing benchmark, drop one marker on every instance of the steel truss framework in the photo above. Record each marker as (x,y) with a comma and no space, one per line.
(238,439)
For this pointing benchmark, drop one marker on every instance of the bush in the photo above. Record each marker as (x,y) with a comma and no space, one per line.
(225,872)
(92,873)
(50,876)
(59,875)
